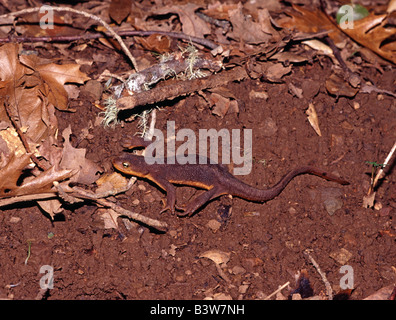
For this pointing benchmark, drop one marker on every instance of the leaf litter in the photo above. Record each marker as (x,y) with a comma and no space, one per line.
(31,89)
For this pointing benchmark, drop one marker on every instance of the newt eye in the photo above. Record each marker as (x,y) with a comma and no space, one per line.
(125,164)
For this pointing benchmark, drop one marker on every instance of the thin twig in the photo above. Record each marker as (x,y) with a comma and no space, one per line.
(277,290)
(124,33)
(159,225)
(89,195)
(381,172)
(26,198)
(150,133)
(85,14)
(329,290)
(79,193)
(337,54)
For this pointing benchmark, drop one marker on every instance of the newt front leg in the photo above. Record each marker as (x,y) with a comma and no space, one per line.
(170,193)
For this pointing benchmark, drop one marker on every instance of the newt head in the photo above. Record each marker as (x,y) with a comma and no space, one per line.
(132,165)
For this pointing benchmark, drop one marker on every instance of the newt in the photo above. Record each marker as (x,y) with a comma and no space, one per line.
(215,178)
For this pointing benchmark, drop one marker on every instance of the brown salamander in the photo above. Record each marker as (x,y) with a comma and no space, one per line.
(213,177)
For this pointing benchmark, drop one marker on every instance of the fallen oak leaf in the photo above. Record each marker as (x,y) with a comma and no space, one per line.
(10,176)
(220,258)
(275,72)
(156,42)
(50,206)
(120,10)
(109,218)
(73,158)
(12,143)
(10,68)
(337,86)
(191,23)
(391,6)
(55,76)
(249,31)
(373,33)
(308,21)
(22,97)
(111,183)
(44,181)
(385,293)
(10,173)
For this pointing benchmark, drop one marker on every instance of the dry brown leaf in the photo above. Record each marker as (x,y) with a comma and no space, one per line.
(320,46)
(249,31)
(110,182)
(156,42)
(313,118)
(289,57)
(11,143)
(222,105)
(12,73)
(219,11)
(384,293)
(191,23)
(10,68)
(373,33)
(339,87)
(120,10)
(73,158)
(217,256)
(275,72)
(391,6)
(51,206)
(29,86)
(10,175)
(109,218)
(55,76)
(308,21)
(61,24)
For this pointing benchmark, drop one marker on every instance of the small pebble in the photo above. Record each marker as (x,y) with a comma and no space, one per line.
(238,270)
(214,225)
(15,219)
(342,256)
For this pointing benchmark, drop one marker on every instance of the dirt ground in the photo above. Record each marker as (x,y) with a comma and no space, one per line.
(266,242)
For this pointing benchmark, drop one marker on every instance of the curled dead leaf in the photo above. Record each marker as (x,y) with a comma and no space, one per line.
(55,77)
(217,256)
(249,31)
(337,86)
(313,118)
(109,218)
(311,21)
(10,178)
(191,23)
(73,158)
(374,33)
(156,42)
(120,10)
(384,293)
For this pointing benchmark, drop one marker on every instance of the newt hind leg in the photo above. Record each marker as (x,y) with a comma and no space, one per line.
(199,201)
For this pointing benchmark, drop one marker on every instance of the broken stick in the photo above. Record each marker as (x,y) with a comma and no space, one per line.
(180,88)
